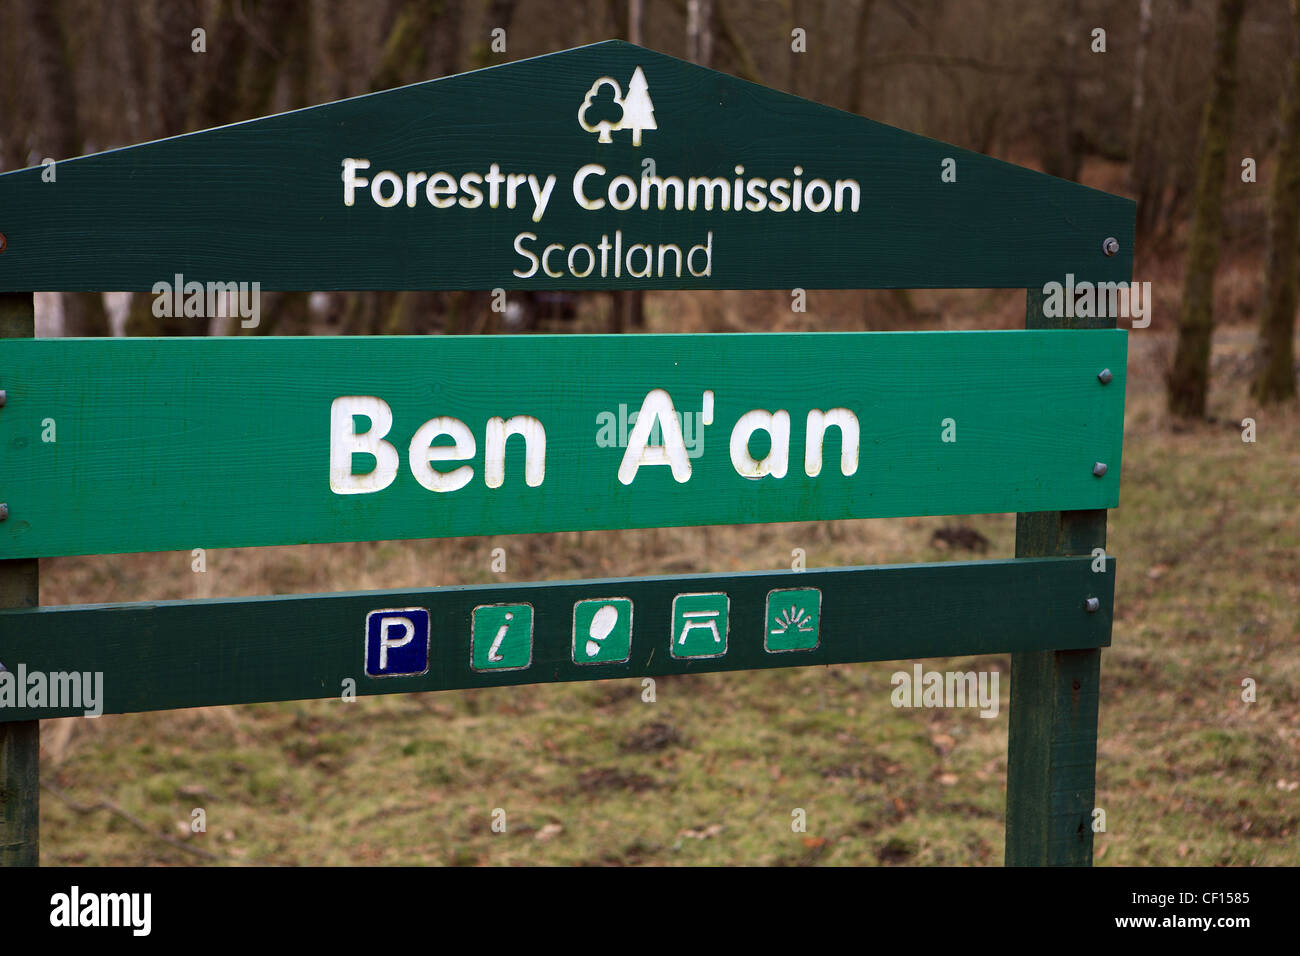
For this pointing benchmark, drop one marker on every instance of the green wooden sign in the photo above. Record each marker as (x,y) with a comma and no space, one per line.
(170,654)
(608,166)
(604,167)
(145,445)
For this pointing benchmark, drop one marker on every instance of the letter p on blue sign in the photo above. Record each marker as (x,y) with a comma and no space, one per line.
(397,642)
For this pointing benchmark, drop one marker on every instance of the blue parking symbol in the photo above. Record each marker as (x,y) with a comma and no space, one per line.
(397,642)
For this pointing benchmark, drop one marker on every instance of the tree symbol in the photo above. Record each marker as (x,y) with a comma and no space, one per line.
(601,111)
(638,108)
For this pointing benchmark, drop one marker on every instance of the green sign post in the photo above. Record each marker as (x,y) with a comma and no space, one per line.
(604,167)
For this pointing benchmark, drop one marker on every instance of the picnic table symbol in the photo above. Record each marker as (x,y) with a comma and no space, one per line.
(694,619)
(697,618)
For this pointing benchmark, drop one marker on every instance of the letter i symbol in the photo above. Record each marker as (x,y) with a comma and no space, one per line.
(494,652)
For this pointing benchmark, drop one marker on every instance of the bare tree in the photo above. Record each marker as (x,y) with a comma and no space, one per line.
(58,121)
(1275,373)
(1188,379)
(1139,142)
(699,31)
(858,78)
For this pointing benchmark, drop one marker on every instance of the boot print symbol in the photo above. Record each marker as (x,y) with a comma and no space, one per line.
(602,622)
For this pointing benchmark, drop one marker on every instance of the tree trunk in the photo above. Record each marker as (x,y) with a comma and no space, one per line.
(423,43)
(1063,156)
(635,19)
(175,64)
(1188,380)
(214,94)
(1140,159)
(1275,371)
(859,74)
(60,134)
(699,31)
(796,18)
(628,308)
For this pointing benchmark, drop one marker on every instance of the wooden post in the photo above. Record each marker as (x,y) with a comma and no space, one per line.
(1052,745)
(20,741)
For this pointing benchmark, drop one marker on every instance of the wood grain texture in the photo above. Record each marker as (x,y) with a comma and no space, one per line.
(183,443)
(20,740)
(1052,743)
(263,200)
(195,653)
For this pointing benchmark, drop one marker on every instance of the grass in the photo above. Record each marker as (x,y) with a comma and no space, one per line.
(712,772)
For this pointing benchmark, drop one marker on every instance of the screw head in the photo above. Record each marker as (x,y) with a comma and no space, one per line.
(1110,246)
(1099,468)
(1092,605)
(1104,376)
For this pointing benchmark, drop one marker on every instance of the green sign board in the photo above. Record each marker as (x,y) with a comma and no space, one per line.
(147,445)
(608,166)
(117,658)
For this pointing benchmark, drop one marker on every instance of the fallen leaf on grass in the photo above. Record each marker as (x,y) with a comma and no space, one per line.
(548,832)
(712,830)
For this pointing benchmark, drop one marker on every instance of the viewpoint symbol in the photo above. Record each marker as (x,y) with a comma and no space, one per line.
(606,109)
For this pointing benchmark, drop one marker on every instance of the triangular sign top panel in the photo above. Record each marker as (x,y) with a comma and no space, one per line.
(606,166)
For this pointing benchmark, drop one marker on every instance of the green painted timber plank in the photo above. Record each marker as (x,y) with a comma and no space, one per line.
(1052,737)
(180,443)
(177,654)
(263,200)
(20,740)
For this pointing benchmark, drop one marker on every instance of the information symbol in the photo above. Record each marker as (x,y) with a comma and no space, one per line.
(494,652)
(501,637)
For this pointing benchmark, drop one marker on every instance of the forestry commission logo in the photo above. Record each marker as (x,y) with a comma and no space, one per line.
(606,110)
